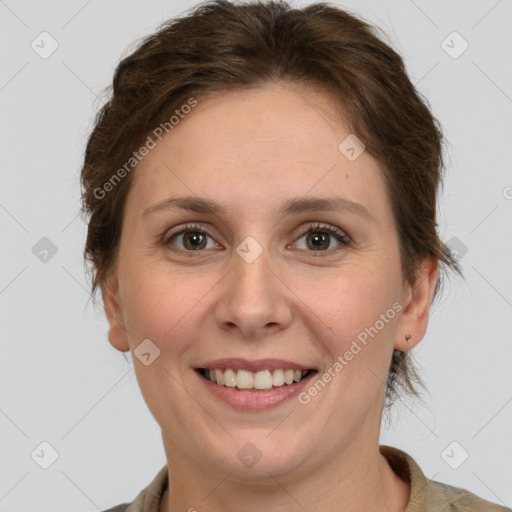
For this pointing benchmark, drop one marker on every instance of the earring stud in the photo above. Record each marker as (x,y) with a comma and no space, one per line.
(408,337)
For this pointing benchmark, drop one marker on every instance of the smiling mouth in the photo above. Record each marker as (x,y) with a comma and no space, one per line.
(245,380)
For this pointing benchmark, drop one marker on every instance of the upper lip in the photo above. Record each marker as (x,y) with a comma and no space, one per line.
(255,365)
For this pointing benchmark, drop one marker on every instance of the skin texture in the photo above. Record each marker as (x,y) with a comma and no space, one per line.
(251,151)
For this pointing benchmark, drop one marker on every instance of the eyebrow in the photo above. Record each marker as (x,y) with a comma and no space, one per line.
(291,206)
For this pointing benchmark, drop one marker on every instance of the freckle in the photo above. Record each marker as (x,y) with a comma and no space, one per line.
(346,176)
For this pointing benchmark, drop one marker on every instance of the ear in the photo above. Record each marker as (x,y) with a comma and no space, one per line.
(117,333)
(416,305)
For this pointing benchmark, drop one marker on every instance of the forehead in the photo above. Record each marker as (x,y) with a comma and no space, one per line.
(273,119)
(273,141)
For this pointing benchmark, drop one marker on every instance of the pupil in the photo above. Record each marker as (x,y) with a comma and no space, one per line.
(196,239)
(319,240)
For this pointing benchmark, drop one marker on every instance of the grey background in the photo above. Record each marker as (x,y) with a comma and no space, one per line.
(62,382)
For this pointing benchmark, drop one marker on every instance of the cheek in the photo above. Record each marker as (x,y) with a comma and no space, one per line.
(354,305)
(161,303)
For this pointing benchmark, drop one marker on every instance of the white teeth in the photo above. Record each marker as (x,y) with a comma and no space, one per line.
(288,376)
(230,378)
(262,380)
(278,378)
(244,379)
(219,376)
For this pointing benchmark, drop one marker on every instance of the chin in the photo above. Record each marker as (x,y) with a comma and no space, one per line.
(253,459)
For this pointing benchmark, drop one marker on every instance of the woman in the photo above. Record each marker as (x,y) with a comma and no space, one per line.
(262,196)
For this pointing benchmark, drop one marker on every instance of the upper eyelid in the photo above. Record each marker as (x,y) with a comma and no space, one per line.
(167,235)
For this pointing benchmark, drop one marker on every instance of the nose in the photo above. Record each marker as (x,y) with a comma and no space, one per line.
(254,299)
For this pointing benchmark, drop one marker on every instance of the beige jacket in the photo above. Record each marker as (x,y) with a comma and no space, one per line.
(426,495)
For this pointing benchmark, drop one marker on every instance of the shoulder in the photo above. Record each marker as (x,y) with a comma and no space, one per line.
(430,495)
(460,500)
(118,508)
(148,500)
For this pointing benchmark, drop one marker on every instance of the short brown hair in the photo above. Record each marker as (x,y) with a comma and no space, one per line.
(221,46)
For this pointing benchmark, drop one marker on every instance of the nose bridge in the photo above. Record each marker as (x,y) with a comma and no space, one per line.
(251,273)
(253,299)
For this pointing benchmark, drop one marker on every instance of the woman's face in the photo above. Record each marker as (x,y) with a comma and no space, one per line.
(250,282)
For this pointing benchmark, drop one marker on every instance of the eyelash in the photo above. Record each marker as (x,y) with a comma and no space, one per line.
(340,236)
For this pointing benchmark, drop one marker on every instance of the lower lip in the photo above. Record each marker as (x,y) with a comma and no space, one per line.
(255,400)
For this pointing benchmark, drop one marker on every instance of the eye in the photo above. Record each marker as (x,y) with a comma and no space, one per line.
(194,237)
(319,238)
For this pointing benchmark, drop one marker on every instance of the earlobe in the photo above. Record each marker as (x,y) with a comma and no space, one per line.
(413,321)
(117,334)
